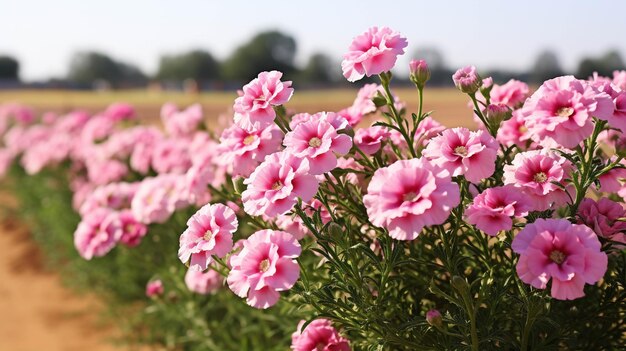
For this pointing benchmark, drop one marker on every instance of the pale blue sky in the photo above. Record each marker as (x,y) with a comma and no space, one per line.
(489,34)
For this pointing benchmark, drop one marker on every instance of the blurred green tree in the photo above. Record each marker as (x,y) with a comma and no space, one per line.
(9,68)
(320,70)
(547,66)
(604,65)
(271,50)
(196,64)
(90,66)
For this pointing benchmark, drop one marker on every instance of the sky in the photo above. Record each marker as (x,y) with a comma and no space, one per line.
(489,34)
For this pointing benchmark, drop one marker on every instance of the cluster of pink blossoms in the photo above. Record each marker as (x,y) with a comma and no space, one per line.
(517,166)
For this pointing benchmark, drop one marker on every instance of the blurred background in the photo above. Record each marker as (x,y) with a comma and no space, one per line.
(54,54)
(67,54)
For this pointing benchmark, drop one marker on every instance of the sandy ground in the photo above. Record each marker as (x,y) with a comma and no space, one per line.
(36,311)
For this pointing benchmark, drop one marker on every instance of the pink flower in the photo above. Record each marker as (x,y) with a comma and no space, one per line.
(434,318)
(171,156)
(619,79)
(335,120)
(369,140)
(373,52)
(419,72)
(560,111)
(154,288)
(209,232)
(514,131)
(181,123)
(115,196)
(120,112)
(265,266)
(618,118)
(255,108)
(491,211)
(97,233)
(409,195)
(157,198)
(319,335)
(512,93)
(602,216)
(462,152)
(203,283)
(535,173)
(132,230)
(277,183)
(318,142)
(467,80)
(569,254)
(242,150)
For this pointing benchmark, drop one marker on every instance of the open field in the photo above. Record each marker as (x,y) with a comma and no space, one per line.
(449,105)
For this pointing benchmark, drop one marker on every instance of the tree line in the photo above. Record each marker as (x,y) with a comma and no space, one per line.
(277,50)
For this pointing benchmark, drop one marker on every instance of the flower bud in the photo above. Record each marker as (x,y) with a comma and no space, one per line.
(433,317)
(467,80)
(420,73)
(496,113)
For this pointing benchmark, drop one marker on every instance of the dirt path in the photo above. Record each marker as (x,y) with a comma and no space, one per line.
(36,311)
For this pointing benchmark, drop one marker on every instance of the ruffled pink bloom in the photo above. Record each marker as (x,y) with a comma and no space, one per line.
(154,288)
(171,156)
(319,143)
(492,210)
(369,140)
(6,159)
(561,111)
(602,216)
(555,249)
(115,196)
(535,173)
(97,234)
(101,172)
(373,52)
(120,112)
(265,266)
(242,150)
(18,113)
(335,120)
(203,283)
(618,118)
(133,231)
(181,123)
(277,183)
(319,335)
(409,195)
(514,131)
(462,152)
(209,232)
(467,80)
(512,93)
(157,198)
(254,109)
(619,79)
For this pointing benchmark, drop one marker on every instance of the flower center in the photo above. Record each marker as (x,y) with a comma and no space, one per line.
(540,177)
(320,347)
(315,142)
(461,151)
(410,197)
(264,265)
(249,139)
(557,256)
(277,186)
(522,129)
(565,112)
(208,235)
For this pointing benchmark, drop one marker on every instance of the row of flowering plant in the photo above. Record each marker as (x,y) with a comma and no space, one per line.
(380,228)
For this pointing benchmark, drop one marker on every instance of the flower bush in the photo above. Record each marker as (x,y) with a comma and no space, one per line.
(369,228)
